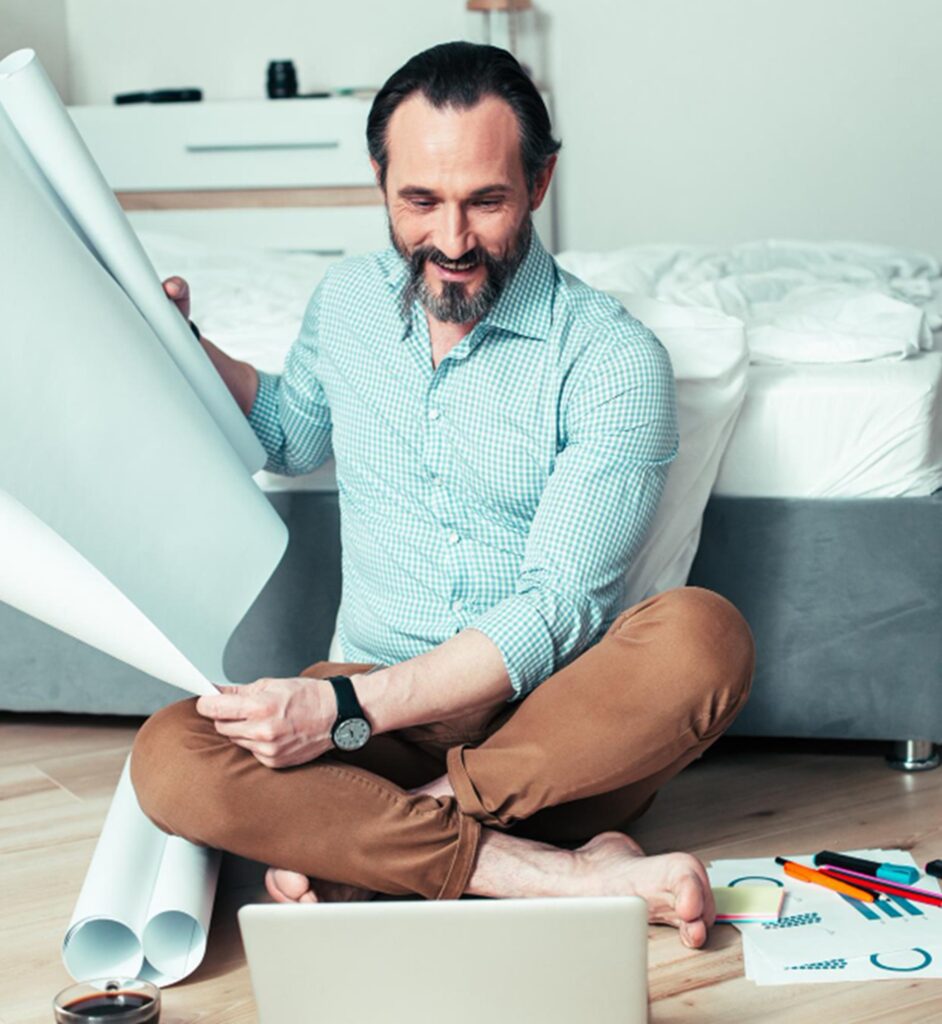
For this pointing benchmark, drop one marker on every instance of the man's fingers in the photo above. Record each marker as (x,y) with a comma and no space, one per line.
(230,706)
(178,291)
(176,287)
(257,731)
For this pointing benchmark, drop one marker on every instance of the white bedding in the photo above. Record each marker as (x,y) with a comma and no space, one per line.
(800,301)
(863,430)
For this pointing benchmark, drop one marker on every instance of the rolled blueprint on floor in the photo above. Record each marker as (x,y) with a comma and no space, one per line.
(146,902)
(158,561)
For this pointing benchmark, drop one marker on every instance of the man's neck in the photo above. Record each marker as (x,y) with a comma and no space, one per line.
(444,336)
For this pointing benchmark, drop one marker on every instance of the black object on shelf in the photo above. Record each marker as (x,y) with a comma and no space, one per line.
(282,80)
(160,96)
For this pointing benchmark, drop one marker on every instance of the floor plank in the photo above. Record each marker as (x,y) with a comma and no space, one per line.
(57,774)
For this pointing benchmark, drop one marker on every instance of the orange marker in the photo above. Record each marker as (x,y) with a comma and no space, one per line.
(804,874)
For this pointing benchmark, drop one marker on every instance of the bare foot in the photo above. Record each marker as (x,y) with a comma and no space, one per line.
(674,885)
(292,887)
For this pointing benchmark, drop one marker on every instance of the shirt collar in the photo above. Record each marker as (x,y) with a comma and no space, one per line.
(525,307)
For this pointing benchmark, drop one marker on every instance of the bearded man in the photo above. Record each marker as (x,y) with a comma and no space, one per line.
(502,434)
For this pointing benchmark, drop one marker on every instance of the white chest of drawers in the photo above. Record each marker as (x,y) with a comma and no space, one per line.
(292,175)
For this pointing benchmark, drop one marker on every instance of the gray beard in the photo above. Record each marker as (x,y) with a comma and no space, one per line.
(454,305)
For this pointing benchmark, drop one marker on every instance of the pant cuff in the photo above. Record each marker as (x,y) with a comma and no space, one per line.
(469,836)
(468,798)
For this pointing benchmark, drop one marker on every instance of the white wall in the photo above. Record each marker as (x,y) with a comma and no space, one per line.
(40,24)
(682,120)
(224,46)
(724,120)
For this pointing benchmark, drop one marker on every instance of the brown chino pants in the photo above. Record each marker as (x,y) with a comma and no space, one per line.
(584,752)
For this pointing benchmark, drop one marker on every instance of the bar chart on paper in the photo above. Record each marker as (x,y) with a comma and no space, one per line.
(824,936)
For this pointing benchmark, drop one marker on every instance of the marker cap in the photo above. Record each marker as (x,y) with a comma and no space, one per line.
(898,873)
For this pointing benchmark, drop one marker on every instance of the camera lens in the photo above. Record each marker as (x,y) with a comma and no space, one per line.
(282,79)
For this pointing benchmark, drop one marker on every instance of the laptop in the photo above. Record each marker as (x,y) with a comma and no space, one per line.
(512,961)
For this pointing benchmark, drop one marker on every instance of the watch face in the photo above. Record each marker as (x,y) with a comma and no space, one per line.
(352,734)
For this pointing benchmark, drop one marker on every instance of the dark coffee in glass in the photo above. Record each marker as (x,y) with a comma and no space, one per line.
(110,1000)
(114,1004)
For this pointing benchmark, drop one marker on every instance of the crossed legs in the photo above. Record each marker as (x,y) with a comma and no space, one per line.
(578,759)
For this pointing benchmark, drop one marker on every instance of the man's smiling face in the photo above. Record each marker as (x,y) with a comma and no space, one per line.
(458,202)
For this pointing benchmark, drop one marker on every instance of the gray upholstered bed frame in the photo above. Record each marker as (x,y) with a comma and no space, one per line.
(844,598)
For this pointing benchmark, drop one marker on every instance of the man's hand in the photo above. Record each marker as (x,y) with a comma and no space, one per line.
(283,722)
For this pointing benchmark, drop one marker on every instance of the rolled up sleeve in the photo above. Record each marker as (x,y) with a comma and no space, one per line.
(619,437)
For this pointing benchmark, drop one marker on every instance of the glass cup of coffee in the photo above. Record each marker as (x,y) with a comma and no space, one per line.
(109,1000)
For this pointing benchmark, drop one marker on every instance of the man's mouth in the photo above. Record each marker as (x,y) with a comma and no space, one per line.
(456,270)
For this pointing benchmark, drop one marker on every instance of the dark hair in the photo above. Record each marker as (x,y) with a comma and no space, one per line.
(461,75)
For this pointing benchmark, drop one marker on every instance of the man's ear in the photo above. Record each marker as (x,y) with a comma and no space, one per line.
(542,183)
(377,173)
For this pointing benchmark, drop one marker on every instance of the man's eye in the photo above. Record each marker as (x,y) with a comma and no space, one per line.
(487,204)
(423,204)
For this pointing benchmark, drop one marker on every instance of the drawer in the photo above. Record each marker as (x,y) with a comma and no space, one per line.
(337,231)
(229,145)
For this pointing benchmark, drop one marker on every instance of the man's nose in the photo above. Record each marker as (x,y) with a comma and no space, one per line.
(454,234)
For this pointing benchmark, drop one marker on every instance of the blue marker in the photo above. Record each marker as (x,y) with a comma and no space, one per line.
(900,873)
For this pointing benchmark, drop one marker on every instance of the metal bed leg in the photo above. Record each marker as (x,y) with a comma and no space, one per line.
(914,756)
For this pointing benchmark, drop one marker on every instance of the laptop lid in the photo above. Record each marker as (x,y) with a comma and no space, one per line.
(510,961)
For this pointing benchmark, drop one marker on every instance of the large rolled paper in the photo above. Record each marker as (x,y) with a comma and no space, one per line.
(157,565)
(43,124)
(146,902)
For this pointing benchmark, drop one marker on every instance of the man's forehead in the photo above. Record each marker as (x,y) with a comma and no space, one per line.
(425,142)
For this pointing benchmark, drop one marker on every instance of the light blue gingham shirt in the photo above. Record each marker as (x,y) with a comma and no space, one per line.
(507,490)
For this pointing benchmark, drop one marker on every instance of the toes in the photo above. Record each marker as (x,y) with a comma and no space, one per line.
(288,886)
(691,892)
(276,894)
(693,933)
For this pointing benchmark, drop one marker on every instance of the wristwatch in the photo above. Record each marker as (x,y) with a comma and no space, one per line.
(351,728)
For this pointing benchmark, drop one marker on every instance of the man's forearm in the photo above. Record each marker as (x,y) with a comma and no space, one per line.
(240,378)
(463,674)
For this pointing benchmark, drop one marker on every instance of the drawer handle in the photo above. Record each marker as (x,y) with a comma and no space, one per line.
(313,252)
(258,147)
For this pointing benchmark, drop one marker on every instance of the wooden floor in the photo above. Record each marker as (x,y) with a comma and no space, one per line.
(57,775)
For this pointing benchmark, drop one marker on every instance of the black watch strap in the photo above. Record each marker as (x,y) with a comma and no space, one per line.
(347,704)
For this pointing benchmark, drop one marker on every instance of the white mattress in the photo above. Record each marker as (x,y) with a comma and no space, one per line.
(843,430)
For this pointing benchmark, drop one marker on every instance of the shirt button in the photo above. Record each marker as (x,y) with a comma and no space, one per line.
(456,606)
(433,414)
(453,537)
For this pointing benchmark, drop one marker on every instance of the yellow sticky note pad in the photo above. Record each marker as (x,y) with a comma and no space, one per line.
(744,903)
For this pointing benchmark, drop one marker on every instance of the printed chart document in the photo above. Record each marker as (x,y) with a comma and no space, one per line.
(154,562)
(823,936)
